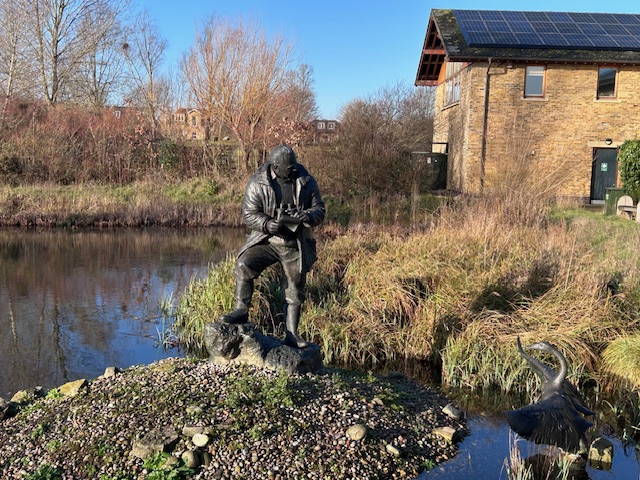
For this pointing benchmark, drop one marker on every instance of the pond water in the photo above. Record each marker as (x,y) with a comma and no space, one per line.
(484,454)
(75,302)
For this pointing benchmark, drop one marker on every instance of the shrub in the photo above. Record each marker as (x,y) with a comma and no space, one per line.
(629,164)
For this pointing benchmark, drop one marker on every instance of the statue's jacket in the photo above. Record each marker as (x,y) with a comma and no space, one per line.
(259,206)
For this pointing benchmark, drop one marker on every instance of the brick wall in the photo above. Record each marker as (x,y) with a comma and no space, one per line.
(551,138)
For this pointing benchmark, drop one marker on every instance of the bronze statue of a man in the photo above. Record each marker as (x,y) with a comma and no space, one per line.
(281,204)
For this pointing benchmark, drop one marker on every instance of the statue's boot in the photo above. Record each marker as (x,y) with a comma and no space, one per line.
(293,318)
(244,291)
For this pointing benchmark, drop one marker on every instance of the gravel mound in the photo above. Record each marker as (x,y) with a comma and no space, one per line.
(223,422)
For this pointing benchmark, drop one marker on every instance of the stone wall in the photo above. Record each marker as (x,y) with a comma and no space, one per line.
(551,140)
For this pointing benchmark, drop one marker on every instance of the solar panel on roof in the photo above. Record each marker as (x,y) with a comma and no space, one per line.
(544,27)
(559,17)
(626,19)
(611,29)
(514,16)
(549,29)
(500,26)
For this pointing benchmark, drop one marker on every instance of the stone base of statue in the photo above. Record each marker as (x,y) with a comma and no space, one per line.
(243,344)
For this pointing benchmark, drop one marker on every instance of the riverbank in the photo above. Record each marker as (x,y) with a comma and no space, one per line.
(199,202)
(258,425)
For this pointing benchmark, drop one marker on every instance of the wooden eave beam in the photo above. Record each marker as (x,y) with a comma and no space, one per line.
(433,51)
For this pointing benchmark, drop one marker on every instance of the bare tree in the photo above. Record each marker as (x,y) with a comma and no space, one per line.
(100,76)
(12,62)
(299,94)
(144,50)
(59,40)
(235,73)
(378,135)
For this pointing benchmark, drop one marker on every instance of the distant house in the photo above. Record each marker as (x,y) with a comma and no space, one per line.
(191,123)
(562,87)
(323,131)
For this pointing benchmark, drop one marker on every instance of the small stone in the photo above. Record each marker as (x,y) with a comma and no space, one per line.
(194,409)
(71,389)
(448,433)
(190,431)
(206,459)
(4,408)
(452,411)
(392,450)
(191,459)
(377,401)
(200,439)
(158,440)
(22,396)
(111,372)
(357,432)
(170,462)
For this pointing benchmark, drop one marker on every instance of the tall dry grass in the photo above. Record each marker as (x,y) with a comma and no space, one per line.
(458,293)
(455,292)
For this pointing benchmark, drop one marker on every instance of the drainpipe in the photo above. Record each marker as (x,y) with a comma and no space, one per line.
(485,115)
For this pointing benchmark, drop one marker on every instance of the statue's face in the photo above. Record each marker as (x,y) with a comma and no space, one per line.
(284,166)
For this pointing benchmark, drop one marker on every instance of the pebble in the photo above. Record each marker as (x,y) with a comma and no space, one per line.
(303,436)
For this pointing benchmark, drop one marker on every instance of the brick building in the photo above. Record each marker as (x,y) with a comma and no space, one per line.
(557,90)
(191,123)
(323,131)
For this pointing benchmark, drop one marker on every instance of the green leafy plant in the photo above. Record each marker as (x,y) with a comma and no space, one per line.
(159,469)
(54,393)
(629,164)
(45,472)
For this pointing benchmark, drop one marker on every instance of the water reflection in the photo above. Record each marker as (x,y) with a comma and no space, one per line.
(73,303)
(485,452)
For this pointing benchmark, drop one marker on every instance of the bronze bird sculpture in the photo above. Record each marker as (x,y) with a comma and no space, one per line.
(554,419)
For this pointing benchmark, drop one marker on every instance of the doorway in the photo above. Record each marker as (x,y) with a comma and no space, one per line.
(604,172)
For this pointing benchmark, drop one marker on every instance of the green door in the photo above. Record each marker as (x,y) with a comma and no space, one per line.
(604,172)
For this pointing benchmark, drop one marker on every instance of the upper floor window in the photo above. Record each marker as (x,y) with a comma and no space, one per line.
(180,117)
(452,82)
(194,120)
(116,113)
(534,81)
(607,82)
(331,125)
(320,125)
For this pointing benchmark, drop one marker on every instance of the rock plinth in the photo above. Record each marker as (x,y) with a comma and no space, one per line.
(243,344)
(601,454)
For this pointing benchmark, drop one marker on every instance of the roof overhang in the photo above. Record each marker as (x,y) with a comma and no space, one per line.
(432,57)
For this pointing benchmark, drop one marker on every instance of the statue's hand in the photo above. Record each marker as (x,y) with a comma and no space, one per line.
(302,216)
(273,226)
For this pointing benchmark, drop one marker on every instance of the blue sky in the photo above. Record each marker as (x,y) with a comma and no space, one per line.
(354,46)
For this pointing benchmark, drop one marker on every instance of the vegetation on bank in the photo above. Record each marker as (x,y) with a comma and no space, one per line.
(454,294)
(198,201)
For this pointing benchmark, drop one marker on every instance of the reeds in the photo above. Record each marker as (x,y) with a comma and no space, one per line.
(457,293)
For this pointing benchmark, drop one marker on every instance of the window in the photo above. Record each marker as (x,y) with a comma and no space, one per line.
(116,113)
(331,126)
(194,135)
(452,82)
(534,81)
(194,121)
(320,125)
(607,82)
